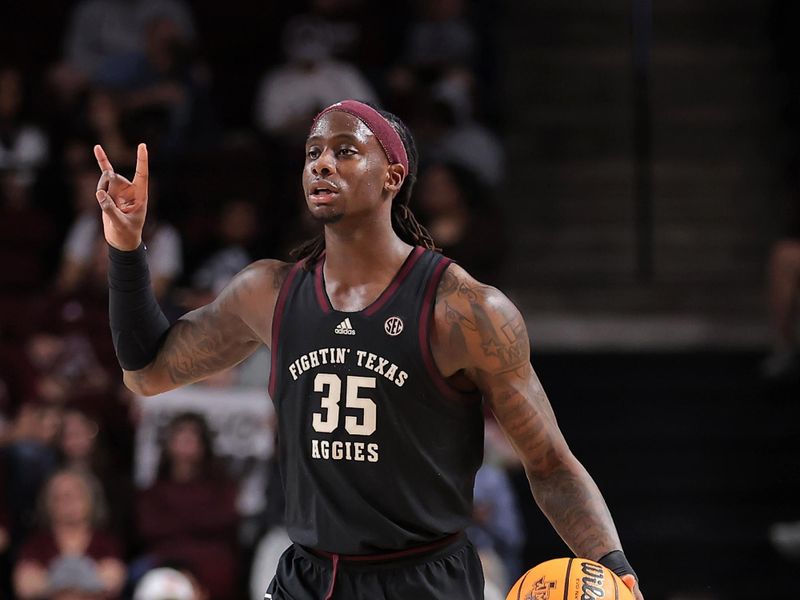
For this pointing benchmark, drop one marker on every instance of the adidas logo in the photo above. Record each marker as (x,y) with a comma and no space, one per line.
(345,328)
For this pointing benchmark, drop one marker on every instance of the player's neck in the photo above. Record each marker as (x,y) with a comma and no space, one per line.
(358,255)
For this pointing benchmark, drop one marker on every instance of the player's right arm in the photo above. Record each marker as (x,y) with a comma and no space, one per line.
(214,337)
(155,356)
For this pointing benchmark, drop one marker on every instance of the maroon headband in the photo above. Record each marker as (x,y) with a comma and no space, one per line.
(381,128)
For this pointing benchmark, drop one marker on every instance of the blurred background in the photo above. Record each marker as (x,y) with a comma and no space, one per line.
(627,173)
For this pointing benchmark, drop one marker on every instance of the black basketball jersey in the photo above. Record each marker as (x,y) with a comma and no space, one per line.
(377,451)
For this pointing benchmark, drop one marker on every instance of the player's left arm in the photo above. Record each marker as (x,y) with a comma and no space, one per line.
(479,334)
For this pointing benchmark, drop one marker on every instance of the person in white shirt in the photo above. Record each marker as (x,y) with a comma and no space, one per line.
(290,95)
(165,254)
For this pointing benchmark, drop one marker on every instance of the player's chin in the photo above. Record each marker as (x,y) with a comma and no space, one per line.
(326,214)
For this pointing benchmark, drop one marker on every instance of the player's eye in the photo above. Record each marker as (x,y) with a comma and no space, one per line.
(346,151)
(312,153)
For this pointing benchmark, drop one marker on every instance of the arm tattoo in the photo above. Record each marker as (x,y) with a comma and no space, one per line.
(451,284)
(576,508)
(197,348)
(212,338)
(447,286)
(453,316)
(458,323)
(561,486)
(509,345)
(507,341)
(484,326)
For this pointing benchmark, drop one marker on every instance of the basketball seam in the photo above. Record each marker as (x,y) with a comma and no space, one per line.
(566,579)
(616,588)
(521,585)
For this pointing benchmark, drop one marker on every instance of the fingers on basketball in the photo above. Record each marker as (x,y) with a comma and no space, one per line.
(570,578)
(629,580)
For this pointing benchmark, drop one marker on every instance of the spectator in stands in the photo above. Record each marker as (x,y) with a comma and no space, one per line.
(72,554)
(25,228)
(16,386)
(458,211)
(75,260)
(80,447)
(83,252)
(441,39)
(273,536)
(104,118)
(784,296)
(783,269)
(168,583)
(357,30)
(77,441)
(162,88)
(66,366)
(310,80)
(29,456)
(23,146)
(288,98)
(99,30)
(237,230)
(189,513)
(497,529)
(26,235)
(440,47)
(455,136)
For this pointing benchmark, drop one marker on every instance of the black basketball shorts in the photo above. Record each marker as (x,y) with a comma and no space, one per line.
(452,572)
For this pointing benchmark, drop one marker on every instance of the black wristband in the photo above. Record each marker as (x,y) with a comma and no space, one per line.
(616,561)
(137,322)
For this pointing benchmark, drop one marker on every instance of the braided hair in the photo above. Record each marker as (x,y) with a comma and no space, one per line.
(404,222)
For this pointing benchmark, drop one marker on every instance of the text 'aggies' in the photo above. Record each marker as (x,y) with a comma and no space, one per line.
(343,356)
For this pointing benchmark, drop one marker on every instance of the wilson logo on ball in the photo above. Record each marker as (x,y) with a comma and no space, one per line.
(592,581)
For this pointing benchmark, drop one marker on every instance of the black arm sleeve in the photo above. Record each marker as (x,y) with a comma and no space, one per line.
(137,322)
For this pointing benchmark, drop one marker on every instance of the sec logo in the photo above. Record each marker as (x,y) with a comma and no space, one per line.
(393,325)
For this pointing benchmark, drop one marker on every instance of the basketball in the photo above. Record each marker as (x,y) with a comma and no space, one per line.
(569,579)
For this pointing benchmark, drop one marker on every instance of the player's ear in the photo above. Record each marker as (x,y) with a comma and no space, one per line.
(395,176)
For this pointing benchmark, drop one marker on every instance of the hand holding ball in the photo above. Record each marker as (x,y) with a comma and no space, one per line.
(569,579)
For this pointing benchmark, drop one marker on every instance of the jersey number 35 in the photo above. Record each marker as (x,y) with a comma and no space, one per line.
(330,385)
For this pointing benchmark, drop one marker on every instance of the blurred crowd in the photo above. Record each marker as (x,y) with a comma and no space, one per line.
(783,268)
(224,103)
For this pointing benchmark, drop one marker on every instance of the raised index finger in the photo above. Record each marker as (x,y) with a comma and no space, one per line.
(142,168)
(102,159)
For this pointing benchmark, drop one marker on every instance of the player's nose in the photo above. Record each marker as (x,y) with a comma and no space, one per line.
(324,165)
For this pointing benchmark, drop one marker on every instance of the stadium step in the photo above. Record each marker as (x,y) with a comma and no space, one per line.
(570,194)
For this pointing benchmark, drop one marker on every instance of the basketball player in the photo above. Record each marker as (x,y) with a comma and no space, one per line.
(382,353)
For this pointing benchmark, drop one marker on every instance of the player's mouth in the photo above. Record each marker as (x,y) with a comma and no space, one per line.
(322,192)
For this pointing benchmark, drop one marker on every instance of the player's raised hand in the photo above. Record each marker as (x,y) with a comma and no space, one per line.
(124,202)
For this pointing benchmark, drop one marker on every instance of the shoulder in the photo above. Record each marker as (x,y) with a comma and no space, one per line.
(458,288)
(263,276)
(268,270)
(253,293)
(477,326)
